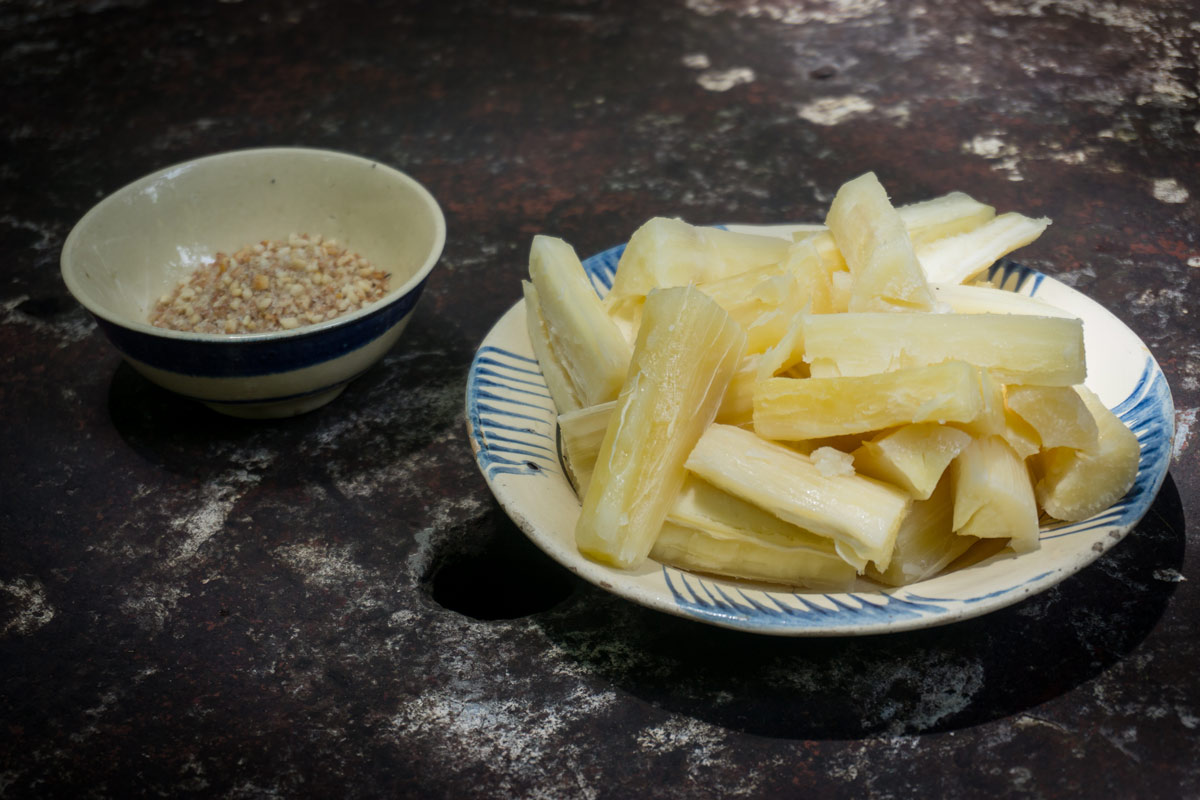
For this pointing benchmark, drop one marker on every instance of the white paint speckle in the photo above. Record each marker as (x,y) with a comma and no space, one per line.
(986,146)
(704,748)
(334,568)
(70,328)
(1121,135)
(1169,576)
(107,700)
(696,61)
(834,110)
(724,80)
(205,520)
(945,689)
(1156,78)
(1073,157)
(1030,721)
(1123,741)
(486,730)
(830,12)
(187,539)
(445,513)
(993,148)
(152,603)
(33,609)
(1185,420)
(1168,190)
(1194,261)
(1188,719)
(323,565)
(899,113)
(676,733)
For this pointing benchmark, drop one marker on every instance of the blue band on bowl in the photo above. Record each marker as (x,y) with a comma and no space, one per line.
(236,358)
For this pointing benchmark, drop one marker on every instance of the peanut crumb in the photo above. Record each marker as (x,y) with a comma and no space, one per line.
(271,286)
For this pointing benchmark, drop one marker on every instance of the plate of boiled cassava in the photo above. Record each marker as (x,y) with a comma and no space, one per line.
(877,424)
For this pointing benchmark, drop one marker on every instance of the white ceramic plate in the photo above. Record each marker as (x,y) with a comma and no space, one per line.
(511,423)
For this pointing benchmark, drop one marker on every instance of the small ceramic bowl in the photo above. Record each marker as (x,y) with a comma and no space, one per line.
(137,244)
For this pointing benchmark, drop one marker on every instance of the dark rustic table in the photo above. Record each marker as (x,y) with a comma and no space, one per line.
(335,606)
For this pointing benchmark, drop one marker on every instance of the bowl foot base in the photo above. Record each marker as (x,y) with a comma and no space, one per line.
(279,408)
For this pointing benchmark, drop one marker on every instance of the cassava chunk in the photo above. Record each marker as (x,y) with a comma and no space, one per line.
(973,298)
(991,420)
(810,408)
(558,382)
(1020,435)
(670,252)
(580,433)
(925,221)
(1041,351)
(698,505)
(873,240)
(786,353)
(703,506)
(947,215)
(993,494)
(685,354)
(751,559)
(1075,484)
(804,263)
(926,542)
(912,457)
(587,345)
(957,259)
(737,406)
(1057,413)
(860,514)
(762,300)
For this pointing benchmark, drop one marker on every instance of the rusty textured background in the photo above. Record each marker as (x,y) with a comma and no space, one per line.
(197,606)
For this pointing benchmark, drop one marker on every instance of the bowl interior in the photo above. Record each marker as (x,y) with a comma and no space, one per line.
(139,242)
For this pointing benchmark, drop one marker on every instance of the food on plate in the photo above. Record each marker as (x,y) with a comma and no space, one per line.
(950,214)
(591,351)
(711,529)
(911,456)
(993,495)
(974,298)
(1058,415)
(554,372)
(925,221)
(580,434)
(703,505)
(271,286)
(959,258)
(884,271)
(854,401)
(1076,484)
(750,558)
(669,252)
(686,351)
(926,543)
(764,300)
(861,515)
(1015,348)
(795,409)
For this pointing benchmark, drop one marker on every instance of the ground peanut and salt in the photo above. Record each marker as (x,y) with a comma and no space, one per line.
(272,286)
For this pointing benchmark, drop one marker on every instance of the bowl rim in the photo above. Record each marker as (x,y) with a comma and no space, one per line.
(415,281)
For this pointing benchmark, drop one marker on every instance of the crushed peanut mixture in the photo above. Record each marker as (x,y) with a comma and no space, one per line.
(271,286)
